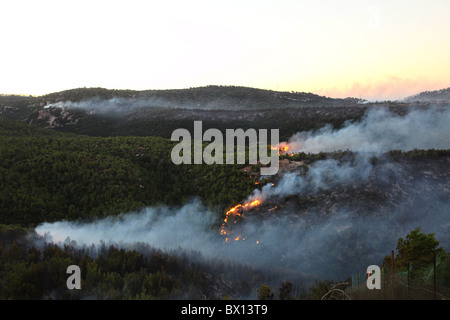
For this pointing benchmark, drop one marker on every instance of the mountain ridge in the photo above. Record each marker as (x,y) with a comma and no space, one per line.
(431,96)
(112,112)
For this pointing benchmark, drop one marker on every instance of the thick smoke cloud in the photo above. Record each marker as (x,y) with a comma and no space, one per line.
(380,131)
(164,227)
(330,246)
(322,175)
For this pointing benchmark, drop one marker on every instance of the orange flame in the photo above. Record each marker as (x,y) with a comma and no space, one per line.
(236,211)
(282,148)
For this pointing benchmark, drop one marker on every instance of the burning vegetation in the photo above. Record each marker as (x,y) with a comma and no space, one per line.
(232,216)
(283,148)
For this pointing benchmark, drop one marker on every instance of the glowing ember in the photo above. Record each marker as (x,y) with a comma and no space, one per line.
(236,212)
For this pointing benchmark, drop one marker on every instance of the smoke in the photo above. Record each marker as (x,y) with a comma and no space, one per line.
(166,228)
(339,234)
(342,229)
(120,105)
(321,175)
(113,105)
(329,239)
(380,131)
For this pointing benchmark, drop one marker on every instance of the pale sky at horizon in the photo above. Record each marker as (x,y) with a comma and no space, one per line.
(370,49)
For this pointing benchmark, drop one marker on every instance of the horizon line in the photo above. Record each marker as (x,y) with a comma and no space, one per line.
(212,85)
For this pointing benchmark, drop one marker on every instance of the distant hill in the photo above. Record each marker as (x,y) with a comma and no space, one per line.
(208,97)
(117,112)
(442,95)
(113,112)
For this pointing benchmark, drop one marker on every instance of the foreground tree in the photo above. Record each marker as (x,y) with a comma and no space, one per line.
(265,292)
(419,249)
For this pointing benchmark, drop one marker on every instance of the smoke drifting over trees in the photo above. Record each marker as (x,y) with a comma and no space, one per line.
(356,206)
(377,201)
(380,131)
(312,242)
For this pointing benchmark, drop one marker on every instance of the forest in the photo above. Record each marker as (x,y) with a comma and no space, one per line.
(50,176)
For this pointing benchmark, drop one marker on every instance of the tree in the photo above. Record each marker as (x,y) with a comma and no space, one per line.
(285,290)
(265,293)
(418,248)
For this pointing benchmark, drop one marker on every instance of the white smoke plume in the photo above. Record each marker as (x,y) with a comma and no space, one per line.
(113,105)
(329,247)
(164,227)
(322,175)
(380,131)
(121,105)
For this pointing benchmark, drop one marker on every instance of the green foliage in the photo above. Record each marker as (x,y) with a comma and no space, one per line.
(417,247)
(12,128)
(49,177)
(417,252)
(265,292)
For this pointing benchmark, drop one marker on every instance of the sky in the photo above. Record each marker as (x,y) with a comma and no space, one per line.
(375,50)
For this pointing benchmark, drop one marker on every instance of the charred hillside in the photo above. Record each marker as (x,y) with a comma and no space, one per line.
(353,219)
(396,180)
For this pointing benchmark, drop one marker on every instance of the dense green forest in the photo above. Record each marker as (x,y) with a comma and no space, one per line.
(48,176)
(164,126)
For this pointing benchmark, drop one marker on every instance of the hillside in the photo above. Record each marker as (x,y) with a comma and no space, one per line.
(48,176)
(209,97)
(104,112)
(436,96)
